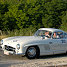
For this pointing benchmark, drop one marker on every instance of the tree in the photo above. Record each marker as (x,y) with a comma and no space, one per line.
(53,15)
(20,14)
(3,9)
(64,23)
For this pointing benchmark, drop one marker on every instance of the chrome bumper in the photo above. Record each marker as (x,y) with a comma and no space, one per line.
(12,53)
(8,50)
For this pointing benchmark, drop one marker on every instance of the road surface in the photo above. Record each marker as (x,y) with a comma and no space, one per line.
(43,61)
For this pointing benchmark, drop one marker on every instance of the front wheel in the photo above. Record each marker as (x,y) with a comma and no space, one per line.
(32,52)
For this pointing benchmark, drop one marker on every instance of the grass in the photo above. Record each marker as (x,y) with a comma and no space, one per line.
(21,32)
(3,36)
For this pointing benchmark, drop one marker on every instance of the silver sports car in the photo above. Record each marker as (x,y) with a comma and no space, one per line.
(46,41)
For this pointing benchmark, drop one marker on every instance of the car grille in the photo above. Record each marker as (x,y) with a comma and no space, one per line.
(9,48)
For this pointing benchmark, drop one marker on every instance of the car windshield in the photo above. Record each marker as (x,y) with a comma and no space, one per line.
(43,33)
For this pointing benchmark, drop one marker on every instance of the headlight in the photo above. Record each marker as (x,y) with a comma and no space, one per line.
(1,42)
(18,46)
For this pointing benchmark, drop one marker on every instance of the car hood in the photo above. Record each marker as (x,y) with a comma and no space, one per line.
(23,40)
(20,39)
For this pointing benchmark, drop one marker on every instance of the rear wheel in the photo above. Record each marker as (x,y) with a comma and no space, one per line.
(32,52)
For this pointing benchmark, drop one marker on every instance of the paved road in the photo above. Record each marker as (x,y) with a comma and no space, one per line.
(18,61)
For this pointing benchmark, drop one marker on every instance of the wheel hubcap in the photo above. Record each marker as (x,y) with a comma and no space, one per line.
(31,52)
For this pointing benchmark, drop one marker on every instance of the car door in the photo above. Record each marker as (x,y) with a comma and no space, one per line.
(63,44)
(64,41)
(56,44)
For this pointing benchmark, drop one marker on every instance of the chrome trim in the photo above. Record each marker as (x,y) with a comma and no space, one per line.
(16,54)
(9,48)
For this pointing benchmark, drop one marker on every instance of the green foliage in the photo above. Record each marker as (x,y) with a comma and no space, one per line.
(64,22)
(30,14)
(54,12)
(3,9)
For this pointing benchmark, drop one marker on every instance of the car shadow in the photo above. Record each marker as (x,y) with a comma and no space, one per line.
(53,56)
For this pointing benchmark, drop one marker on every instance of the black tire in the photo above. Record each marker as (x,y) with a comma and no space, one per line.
(32,52)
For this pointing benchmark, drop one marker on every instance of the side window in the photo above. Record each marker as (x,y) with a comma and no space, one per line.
(65,35)
(58,35)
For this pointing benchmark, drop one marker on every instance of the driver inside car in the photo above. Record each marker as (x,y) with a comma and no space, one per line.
(47,34)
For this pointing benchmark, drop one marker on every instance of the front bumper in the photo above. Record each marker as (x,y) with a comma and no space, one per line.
(12,53)
(9,50)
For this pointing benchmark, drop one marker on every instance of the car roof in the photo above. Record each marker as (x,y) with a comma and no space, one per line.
(51,29)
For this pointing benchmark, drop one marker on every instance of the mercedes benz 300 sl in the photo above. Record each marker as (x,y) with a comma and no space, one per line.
(46,41)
